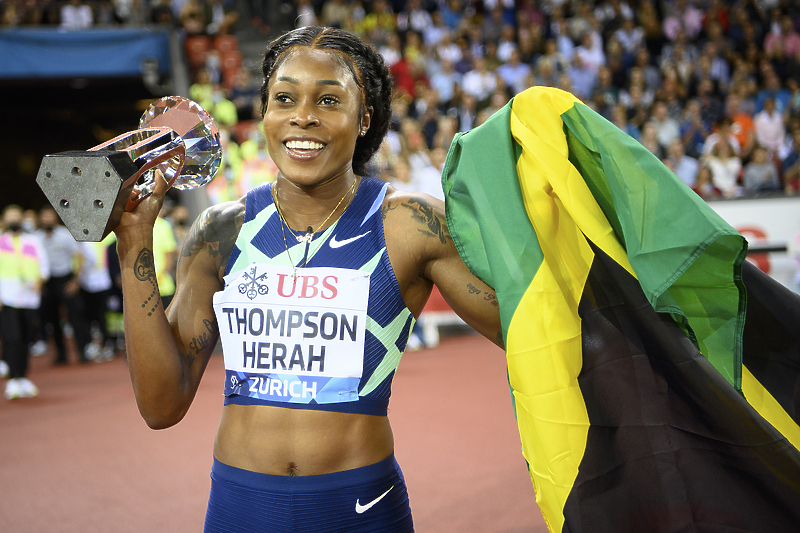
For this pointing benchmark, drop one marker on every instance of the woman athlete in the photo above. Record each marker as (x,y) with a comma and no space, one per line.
(312,283)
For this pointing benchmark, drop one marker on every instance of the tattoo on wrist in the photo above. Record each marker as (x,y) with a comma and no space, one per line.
(145,270)
(432,223)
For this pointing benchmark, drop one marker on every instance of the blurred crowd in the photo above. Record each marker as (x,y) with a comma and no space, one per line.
(62,298)
(710,87)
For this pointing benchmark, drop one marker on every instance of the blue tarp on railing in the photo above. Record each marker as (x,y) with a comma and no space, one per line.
(53,53)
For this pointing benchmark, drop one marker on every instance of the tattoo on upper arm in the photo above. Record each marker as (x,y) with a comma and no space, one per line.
(424,212)
(488,296)
(215,232)
(145,270)
(385,209)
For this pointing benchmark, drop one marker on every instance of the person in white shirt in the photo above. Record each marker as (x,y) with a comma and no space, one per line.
(479,82)
(770,127)
(684,166)
(23,271)
(515,74)
(76,16)
(62,254)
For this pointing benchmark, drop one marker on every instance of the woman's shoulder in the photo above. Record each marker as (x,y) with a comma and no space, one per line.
(215,230)
(414,215)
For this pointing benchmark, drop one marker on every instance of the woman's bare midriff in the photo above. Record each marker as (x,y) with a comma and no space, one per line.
(300,442)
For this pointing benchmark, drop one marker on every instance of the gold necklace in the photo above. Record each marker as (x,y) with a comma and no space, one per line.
(307,238)
(309,232)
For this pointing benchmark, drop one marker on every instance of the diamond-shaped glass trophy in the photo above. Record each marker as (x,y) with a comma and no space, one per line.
(91,189)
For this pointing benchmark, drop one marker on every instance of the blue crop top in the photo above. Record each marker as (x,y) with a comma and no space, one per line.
(305,352)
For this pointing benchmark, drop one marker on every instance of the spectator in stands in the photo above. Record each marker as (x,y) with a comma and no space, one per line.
(684,166)
(507,43)
(741,125)
(725,169)
(514,74)
(221,18)
(391,50)
(452,12)
(791,163)
(611,14)
(479,83)
(786,35)
(694,130)
(605,95)
(192,17)
(667,128)
(772,90)
(649,139)
(546,74)
(631,39)
(722,132)
(245,95)
(770,129)
(711,106)
(447,82)
(636,106)
(465,111)
(705,185)
(446,49)
(620,119)
(760,174)
(334,13)
(651,76)
(531,43)
(414,17)
(76,15)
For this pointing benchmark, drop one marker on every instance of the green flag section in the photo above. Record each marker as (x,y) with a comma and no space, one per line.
(623,311)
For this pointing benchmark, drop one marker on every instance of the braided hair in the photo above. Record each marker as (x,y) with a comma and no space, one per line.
(365,64)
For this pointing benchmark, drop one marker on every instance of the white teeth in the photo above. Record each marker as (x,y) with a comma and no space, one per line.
(304,145)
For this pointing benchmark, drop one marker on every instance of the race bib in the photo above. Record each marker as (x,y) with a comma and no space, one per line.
(293,336)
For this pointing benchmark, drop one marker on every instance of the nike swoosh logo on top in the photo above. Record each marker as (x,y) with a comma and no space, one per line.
(361,508)
(338,244)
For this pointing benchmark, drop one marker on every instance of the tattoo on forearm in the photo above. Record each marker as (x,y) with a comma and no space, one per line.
(425,213)
(145,270)
(199,343)
(473,289)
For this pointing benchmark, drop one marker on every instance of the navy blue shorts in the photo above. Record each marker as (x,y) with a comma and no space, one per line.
(372,498)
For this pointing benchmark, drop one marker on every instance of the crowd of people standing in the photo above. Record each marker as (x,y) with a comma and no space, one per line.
(63,298)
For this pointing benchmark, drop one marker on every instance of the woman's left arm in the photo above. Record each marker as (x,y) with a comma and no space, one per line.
(423,254)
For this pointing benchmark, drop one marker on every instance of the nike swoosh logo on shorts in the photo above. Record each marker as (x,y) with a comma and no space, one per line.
(338,244)
(361,508)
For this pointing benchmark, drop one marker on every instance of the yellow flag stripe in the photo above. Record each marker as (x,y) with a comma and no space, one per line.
(763,402)
(543,345)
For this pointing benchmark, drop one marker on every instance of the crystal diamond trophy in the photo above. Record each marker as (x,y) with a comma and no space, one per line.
(91,189)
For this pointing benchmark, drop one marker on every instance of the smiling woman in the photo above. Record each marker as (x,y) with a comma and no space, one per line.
(304,443)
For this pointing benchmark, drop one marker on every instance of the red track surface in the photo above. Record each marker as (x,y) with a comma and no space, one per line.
(80,459)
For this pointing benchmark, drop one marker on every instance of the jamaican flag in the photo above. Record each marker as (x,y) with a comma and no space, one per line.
(654,373)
